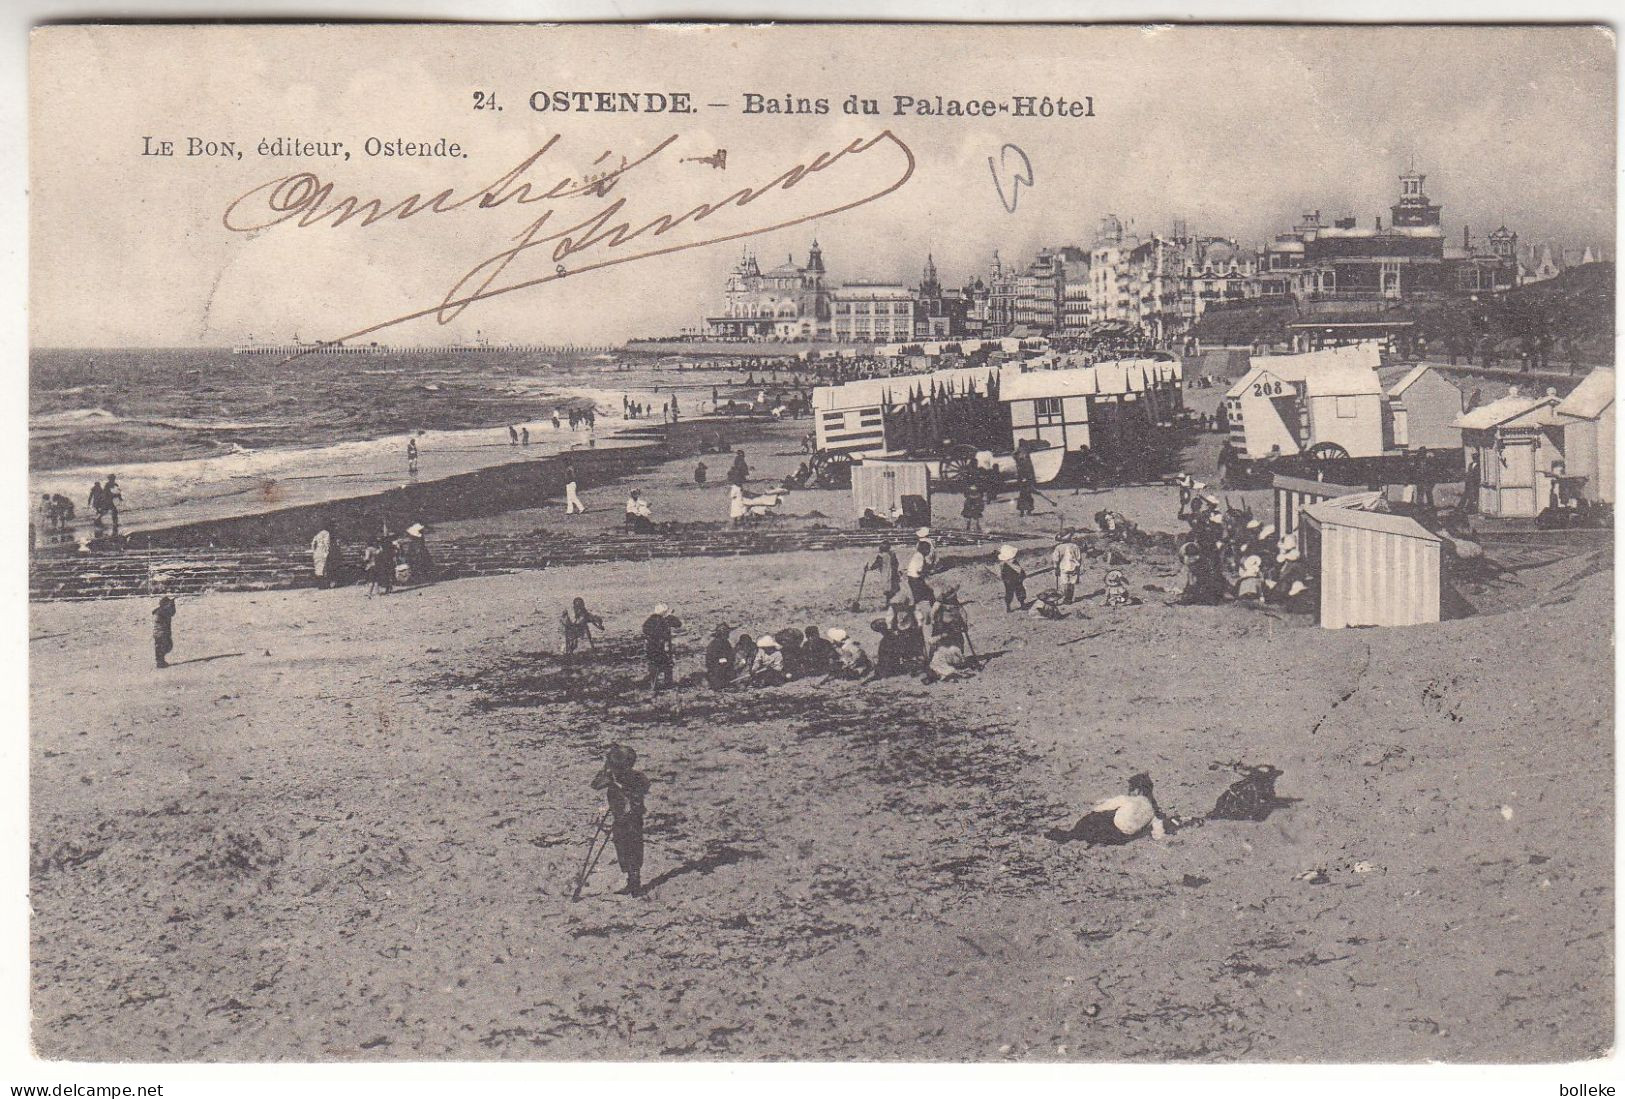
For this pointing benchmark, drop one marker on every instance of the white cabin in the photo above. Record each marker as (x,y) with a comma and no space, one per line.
(1287,404)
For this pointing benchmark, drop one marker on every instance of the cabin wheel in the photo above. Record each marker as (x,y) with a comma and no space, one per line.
(959,472)
(1327,452)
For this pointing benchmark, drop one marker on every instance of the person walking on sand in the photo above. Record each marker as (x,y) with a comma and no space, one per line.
(557,424)
(113,498)
(659,646)
(163,635)
(98,502)
(572,502)
(513,435)
(739,472)
(886,572)
(524,436)
(576,625)
(412,456)
(624,791)
(322,556)
(1014,579)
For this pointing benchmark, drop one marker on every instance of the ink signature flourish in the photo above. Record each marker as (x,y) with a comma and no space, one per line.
(1012,163)
(567,244)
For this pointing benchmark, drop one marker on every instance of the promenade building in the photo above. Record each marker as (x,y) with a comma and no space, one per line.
(872,312)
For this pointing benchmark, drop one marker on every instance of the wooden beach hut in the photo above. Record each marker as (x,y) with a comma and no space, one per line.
(1516,444)
(1422,410)
(1375,569)
(1293,494)
(1588,435)
(881,485)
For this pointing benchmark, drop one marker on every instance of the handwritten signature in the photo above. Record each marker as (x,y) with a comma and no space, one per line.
(1018,173)
(302,200)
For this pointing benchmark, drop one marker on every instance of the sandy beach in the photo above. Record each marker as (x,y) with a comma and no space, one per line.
(346,828)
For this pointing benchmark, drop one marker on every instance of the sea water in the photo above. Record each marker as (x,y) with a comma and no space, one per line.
(203,434)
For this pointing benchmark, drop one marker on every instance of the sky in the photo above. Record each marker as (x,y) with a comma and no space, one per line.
(1236,130)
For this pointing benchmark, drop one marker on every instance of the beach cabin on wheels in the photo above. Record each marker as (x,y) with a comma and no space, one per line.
(1327,403)
(852,418)
(1514,453)
(1588,436)
(1101,407)
(1422,410)
(1375,569)
(1294,494)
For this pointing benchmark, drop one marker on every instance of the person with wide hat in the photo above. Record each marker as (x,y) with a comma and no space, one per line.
(768,669)
(851,662)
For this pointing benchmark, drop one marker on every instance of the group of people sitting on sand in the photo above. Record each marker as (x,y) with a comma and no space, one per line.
(1226,554)
(789,654)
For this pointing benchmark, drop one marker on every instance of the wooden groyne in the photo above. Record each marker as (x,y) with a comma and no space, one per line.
(195,571)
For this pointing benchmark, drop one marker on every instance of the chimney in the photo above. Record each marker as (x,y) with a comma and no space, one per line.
(1467,236)
(1379,225)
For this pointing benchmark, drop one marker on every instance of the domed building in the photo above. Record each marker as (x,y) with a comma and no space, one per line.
(787,302)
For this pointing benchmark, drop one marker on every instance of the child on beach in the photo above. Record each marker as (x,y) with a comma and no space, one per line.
(1117,593)
(1047,604)
(576,625)
(1014,578)
(163,637)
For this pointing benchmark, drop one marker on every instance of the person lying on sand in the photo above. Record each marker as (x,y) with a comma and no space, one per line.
(1047,604)
(1116,821)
